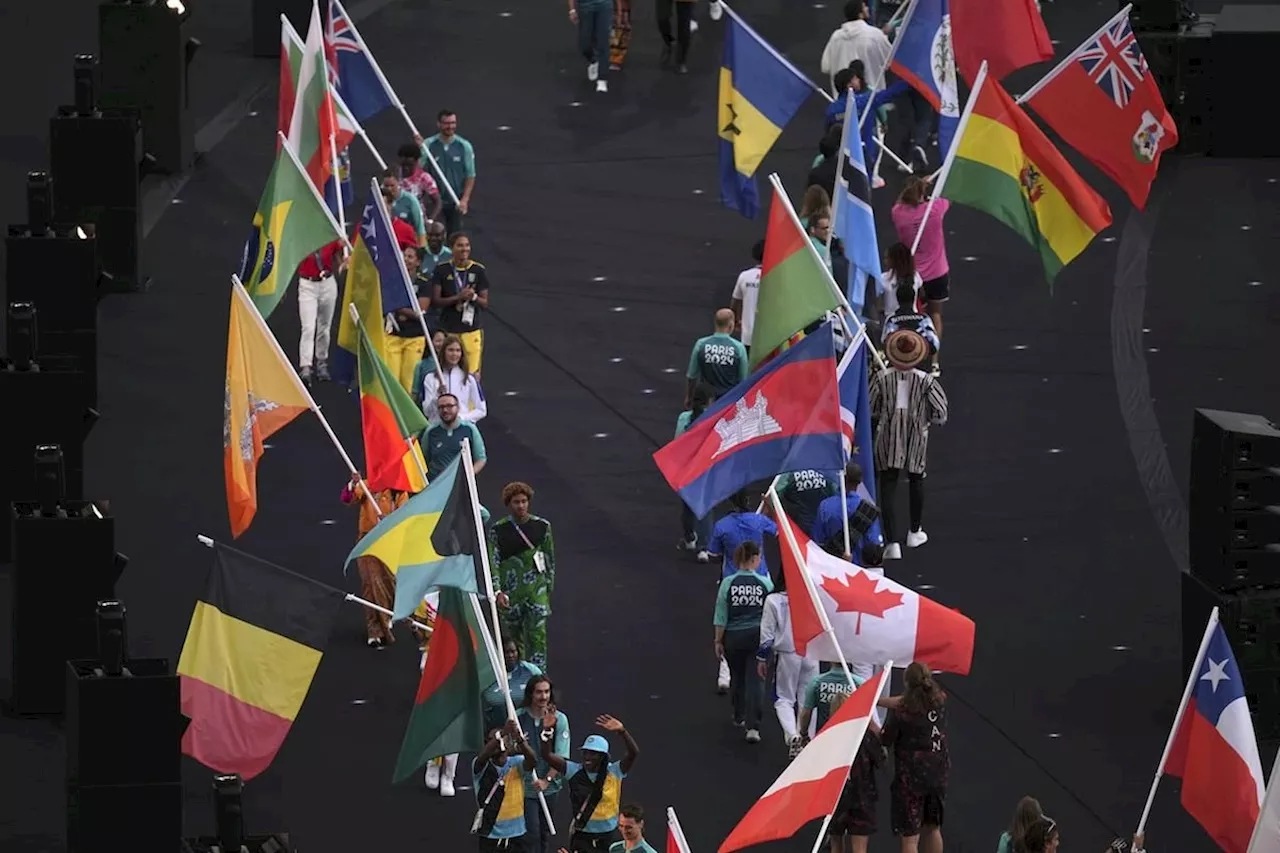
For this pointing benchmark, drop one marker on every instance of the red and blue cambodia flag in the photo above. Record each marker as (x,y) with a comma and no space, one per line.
(784,417)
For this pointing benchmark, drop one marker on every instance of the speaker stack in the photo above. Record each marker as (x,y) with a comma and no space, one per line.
(1235,555)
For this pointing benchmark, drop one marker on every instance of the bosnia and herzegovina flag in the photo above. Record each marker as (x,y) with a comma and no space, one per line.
(255,642)
(784,417)
(429,542)
(447,716)
(760,92)
(391,423)
(377,284)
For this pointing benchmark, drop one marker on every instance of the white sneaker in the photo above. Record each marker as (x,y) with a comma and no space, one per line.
(705,557)
(716,11)
(893,551)
(877,182)
(446,787)
(593,71)
(753,735)
(433,775)
(722,680)
(602,86)
(693,26)
(916,538)
(449,769)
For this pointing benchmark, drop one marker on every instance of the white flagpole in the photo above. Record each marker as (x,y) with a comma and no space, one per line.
(945,171)
(1266,832)
(1071,57)
(673,825)
(1177,719)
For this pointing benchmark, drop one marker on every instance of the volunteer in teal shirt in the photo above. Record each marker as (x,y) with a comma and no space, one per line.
(718,360)
(519,672)
(739,608)
(826,690)
(403,205)
(631,825)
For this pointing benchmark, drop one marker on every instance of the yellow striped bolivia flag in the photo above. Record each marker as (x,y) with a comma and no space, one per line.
(1005,166)
(254,644)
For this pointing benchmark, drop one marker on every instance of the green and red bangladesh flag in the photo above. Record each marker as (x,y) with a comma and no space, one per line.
(391,422)
(447,716)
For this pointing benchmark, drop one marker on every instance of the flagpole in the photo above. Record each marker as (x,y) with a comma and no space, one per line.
(338,229)
(1177,719)
(241,293)
(1069,58)
(1265,830)
(945,171)
(482,545)
(893,51)
(770,48)
(385,216)
(673,826)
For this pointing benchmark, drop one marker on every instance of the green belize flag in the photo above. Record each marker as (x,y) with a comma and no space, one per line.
(447,716)
(291,222)
(794,290)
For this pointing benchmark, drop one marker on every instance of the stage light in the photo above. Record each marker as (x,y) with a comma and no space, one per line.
(51,478)
(111,636)
(86,88)
(228,811)
(39,201)
(21,330)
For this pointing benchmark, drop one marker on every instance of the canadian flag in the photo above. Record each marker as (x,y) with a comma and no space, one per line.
(810,786)
(676,842)
(873,618)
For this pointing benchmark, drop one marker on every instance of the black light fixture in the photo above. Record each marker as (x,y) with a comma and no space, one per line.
(86,84)
(39,201)
(51,478)
(111,636)
(20,326)
(228,812)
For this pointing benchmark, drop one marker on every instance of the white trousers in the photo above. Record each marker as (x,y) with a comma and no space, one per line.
(316,301)
(792,674)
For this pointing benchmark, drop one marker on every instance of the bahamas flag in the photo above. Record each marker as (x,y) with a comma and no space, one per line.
(377,284)
(760,92)
(429,542)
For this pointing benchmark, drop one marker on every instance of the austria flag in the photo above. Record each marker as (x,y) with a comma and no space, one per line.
(810,786)
(1215,751)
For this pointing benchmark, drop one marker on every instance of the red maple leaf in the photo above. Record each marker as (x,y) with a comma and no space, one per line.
(858,594)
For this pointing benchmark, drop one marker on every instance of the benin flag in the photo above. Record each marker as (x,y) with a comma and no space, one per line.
(254,644)
(447,716)
(425,543)
(794,290)
(391,423)
(262,395)
(1005,166)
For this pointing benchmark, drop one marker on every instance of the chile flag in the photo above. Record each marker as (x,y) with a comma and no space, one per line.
(785,417)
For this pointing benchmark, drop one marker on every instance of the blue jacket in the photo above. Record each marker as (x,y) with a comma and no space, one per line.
(864,101)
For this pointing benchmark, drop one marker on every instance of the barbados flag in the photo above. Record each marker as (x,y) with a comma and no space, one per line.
(377,285)
(760,92)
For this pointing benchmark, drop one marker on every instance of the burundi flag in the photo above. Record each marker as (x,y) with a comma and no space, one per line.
(447,717)
(262,395)
(392,422)
(313,126)
(425,543)
(292,221)
(1002,164)
(253,647)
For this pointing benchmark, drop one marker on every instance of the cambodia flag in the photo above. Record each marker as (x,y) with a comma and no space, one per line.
(1215,751)
(784,417)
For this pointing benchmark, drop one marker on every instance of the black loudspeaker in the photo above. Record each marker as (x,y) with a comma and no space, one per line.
(143,818)
(62,568)
(1155,15)
(1235,501)
(1245,41)
(95,163)
(143,60)
(1180,63)
(123,730)
(59,275)
(1251,621)
(266,23)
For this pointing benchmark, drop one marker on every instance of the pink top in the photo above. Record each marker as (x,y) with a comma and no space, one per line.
(931,254)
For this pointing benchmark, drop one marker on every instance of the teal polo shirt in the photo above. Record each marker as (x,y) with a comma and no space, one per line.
(408,208)
(718,360)
(621,846)
(443,444)
(457,163)
(431,260)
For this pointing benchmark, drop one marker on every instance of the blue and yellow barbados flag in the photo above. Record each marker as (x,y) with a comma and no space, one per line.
(759,93)
(376,284)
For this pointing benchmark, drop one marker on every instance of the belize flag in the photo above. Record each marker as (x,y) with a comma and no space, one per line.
(784,417)
(923,56)
(1215,752)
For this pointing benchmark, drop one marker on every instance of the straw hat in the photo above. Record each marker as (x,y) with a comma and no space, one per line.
(906,349)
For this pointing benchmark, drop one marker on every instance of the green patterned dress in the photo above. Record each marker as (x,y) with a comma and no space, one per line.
(523,557)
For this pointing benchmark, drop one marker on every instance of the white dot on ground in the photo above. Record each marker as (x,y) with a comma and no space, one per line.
(1108,239)
(1153,349)
(1055,449)
(669,370)
(1119,648)
(1054,735)
(618,309)
(253,113)
(925,586)
(510,393)
(599,278)
(646,391)
(504,14)
(601,435)
(575,103)
(1054,41)
(1246,227)
(267,446)
(176,201)
(359,701)
(328,522)
(1255,284)
(970,258)
(504,127)
(1146,331)
(1018,346)
(697,192)
(615,360)
(1271,180)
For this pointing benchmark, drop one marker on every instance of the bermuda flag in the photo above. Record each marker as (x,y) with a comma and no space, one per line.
(875,620)
(1214,751)
(676,842)
(352,68)
(810,787)
(784,417)
(855,422)
(922,56)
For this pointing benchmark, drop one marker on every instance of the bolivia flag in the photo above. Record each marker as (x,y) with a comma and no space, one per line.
(430,541)
(391,423)
(254,644)
(263,394)
(446,716)
(794,290)
(1004,165)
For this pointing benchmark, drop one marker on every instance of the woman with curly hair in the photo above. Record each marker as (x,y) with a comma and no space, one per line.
(523,555)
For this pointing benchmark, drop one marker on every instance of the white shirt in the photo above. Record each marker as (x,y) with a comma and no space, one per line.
(746,291)
(471,404)
(775,623)
(857,40)
(890,282)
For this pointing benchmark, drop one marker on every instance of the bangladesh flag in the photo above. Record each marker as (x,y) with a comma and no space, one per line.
(447,716)
(391,422)
(794,290)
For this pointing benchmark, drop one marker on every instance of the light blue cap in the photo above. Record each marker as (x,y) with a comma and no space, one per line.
(596,743)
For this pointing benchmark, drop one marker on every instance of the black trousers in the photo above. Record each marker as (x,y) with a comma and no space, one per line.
(746,690)
(888,481)
(684,16)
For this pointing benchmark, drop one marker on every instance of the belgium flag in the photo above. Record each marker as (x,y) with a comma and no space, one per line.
(254,645)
